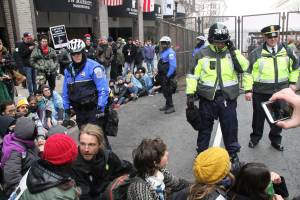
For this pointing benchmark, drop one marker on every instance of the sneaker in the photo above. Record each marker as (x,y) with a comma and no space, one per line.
(170,110)
(252,144)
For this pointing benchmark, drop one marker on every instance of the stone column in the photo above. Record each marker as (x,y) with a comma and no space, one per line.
(140,20)
(103,19)
(9,23)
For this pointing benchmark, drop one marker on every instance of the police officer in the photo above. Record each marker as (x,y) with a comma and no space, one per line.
(200,44)
(167,71)
(85,87)
(273,66)
(215,81)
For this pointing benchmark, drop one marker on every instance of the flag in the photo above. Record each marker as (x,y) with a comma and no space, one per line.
(148,6)
(113,2)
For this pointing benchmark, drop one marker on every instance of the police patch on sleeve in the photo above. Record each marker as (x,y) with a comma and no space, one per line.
(99,72)
(171,56)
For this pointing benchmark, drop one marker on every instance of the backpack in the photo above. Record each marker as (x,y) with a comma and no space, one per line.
(117,189)
(111,122)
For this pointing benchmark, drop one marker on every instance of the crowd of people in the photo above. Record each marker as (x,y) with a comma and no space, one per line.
(41,161)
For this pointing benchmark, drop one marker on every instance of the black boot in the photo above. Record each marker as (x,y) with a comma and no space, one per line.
(170,110)
(164,108)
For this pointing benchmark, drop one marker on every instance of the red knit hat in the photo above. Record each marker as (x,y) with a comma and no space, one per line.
(60,149)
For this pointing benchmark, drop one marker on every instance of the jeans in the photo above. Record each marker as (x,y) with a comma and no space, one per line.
(30,79)
(150,66)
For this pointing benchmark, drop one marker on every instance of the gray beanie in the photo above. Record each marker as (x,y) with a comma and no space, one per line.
(25,128)
(57,129)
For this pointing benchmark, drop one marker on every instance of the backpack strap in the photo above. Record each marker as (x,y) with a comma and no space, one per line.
(106,153)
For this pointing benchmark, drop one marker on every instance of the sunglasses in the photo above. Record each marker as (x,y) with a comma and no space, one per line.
(271,37)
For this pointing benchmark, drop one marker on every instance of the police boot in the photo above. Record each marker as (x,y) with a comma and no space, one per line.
(170,110)
(164,108)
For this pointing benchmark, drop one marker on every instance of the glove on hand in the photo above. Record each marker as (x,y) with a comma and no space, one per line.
(67,114)
(190,101)
(230,45)
(99,113)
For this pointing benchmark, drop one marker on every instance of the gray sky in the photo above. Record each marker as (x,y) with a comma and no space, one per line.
(248,7)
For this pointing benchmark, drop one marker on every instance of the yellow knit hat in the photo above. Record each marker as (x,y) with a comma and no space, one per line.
(211,165)
(21,102)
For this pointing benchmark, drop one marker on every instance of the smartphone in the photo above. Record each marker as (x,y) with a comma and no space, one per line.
(277,110)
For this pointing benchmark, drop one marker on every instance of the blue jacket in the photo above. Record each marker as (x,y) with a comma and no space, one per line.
(88,86)
(169,56)
(148,81)
(149,52)
(196,50)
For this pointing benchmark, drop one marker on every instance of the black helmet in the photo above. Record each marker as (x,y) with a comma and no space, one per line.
(218,33)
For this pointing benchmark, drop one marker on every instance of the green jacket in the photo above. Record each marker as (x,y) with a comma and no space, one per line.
(217,71)
(271,73)
(45,64)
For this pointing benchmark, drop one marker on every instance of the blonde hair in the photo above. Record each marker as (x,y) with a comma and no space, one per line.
(94,130)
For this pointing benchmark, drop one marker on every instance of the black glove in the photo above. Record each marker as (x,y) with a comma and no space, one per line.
(67,114)
(190,101)
(99,113)
(230,45)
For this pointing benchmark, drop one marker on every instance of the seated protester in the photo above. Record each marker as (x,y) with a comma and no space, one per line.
(41,140)
(55,103)
(255,182)
(133,85)
(50,177)
(156,83)
(7,126)
(43,109)
(23,110)
(8,108)
(150,160)
(143,91)
(95,166)
(145,79)
(210,168)
(121,92)
(19,152)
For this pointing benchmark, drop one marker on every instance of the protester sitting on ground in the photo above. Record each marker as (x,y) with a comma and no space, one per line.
(7,125)
(255,182)
(95,166)
(50,177)
(293,100)
(156,82)
(8,108)
(55,103)
(120,93)
(28,108)
(19,152)
(142,92)
(146,79)
(150,159)
(210,168)
(133,85)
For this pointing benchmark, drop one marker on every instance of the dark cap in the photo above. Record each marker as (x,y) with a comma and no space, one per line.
(27,34)
(110,39)
(272,30)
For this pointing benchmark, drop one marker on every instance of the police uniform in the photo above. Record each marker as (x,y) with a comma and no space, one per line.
(86,90)
(167,72)
(272,69)
(215,81)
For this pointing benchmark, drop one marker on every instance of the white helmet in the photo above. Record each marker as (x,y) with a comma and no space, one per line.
(76,45)
(165,39)
(201,37)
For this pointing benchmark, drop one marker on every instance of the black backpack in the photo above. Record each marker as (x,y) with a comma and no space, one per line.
(111,122)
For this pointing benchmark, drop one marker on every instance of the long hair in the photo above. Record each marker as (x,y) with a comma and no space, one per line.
(94,130)
(252,181)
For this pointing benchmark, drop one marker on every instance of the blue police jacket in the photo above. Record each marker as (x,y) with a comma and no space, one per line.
(88,86)
(169,56)
(196,50)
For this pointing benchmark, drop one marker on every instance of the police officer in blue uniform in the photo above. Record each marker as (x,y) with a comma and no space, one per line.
(85,87)
(167,71)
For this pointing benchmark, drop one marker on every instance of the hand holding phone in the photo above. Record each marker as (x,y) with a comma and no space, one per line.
(278,110)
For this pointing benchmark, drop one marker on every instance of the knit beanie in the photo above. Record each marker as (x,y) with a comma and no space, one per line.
(22,102)
(5,123)
(25,128)
(60,149)
(211,165)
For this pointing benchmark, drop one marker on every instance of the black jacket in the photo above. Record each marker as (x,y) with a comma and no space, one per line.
(94,176)
(43,176)
(25,53)
(129,51)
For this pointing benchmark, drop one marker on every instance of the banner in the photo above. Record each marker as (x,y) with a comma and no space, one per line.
(78,6)
(59,36)
(168,7)
(148,6)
